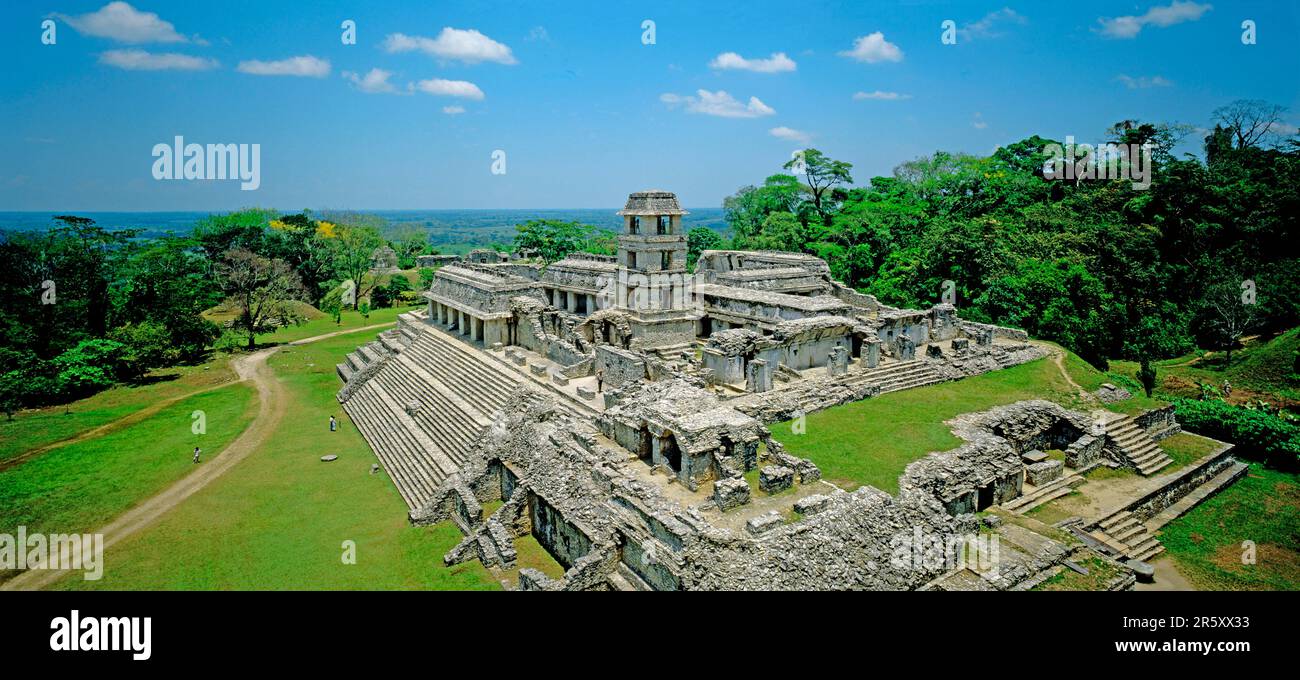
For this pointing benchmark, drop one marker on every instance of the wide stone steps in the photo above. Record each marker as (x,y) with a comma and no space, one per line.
(1126,536)
(1046,493)
(1137,447)
(901,376)
(401,454)
(452,394)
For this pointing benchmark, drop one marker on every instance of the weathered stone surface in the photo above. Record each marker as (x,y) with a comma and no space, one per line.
(1042,473)
(559,379)
(774,478)
(933,352)
(586,393)
(730,493)
(764,523)
(329,458)
(1144,572)
(960,344)
(1035,456)
(1110,394)
(537,369)
(811,505)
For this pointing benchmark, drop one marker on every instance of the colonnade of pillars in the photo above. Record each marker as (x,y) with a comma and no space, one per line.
(575,303)
(457,320)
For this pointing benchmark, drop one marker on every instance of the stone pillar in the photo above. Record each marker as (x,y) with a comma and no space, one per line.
(870,353)
(573,302)
(464,323)
(904,348)
(758,376)
(838,363)
(591,304)
(983,337)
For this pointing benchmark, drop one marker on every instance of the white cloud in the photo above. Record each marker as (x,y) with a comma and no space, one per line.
(873,49)
(978,123)
(1284,129)
(448,88)
(306,66)
(374,82)
(790,134)
(718,104)
(880,95)
(988,27)
(140,60)
(453,110)
(121,22)
(1177,12)
(1143,82)
(777,63)
(538,33)
(453,44)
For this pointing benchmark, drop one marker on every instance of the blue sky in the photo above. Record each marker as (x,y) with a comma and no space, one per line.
(583,109)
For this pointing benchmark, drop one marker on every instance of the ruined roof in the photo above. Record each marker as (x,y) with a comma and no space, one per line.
(652,202)
(482,276)
(820,303)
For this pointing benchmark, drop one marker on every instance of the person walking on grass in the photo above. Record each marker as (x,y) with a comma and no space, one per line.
(197,451)
(334,424)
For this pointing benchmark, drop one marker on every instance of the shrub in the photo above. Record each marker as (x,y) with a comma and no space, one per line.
(1256,432)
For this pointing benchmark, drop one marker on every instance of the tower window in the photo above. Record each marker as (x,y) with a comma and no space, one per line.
(666,260)
(665,225)
(631,260)
(634,225)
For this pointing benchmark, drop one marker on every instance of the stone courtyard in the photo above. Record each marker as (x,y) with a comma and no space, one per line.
(616,409)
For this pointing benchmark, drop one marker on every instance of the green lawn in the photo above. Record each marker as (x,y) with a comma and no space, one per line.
(350,320)
(1207,543)
(1186,448)
(280,518)
(82,486)
(1263,368)
(40,427)
(872,441)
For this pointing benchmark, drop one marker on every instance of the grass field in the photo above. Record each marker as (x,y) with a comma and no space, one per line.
(1263,368)
(280,518)
(82,486)
(323,325)
(1206,544)
(40,427)
(872,441)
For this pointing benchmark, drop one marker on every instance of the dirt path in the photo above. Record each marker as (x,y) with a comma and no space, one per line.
(151,409)
(1058,358)
(271,409)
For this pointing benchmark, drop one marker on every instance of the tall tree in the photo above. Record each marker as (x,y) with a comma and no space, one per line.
(263,291)
(823,175)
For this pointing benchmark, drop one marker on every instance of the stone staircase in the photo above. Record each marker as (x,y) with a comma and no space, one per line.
(1140,450)
(1038,495)
(427,408)
(1126,536)
(901,375)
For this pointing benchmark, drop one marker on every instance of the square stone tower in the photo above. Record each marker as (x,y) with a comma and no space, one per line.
(653,284)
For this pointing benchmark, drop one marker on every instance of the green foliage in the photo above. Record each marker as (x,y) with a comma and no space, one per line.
(699,240)
(1147,375)
(553,240)
(426,277)
(1257,433)
(387,296)
(91,366)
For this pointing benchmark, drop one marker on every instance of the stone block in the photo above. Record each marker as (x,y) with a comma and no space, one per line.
(586,393)
(933,351)
(730,493)
(518,359)
(960,344)
(838,361)
(1031,457)
(537,369)
(870,353)
(764,523)
(559,379)
(774,478)
(758,376)
(812,504)
(1045,472)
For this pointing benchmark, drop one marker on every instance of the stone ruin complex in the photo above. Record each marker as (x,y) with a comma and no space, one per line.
(615,408)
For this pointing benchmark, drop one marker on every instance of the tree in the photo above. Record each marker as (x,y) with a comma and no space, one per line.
(1147,375)
(822,175)
(749,207)
(1249,119)
(552,240)
(263,291)
(353,247)
(91,366)
(699,240)
(1229,317)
